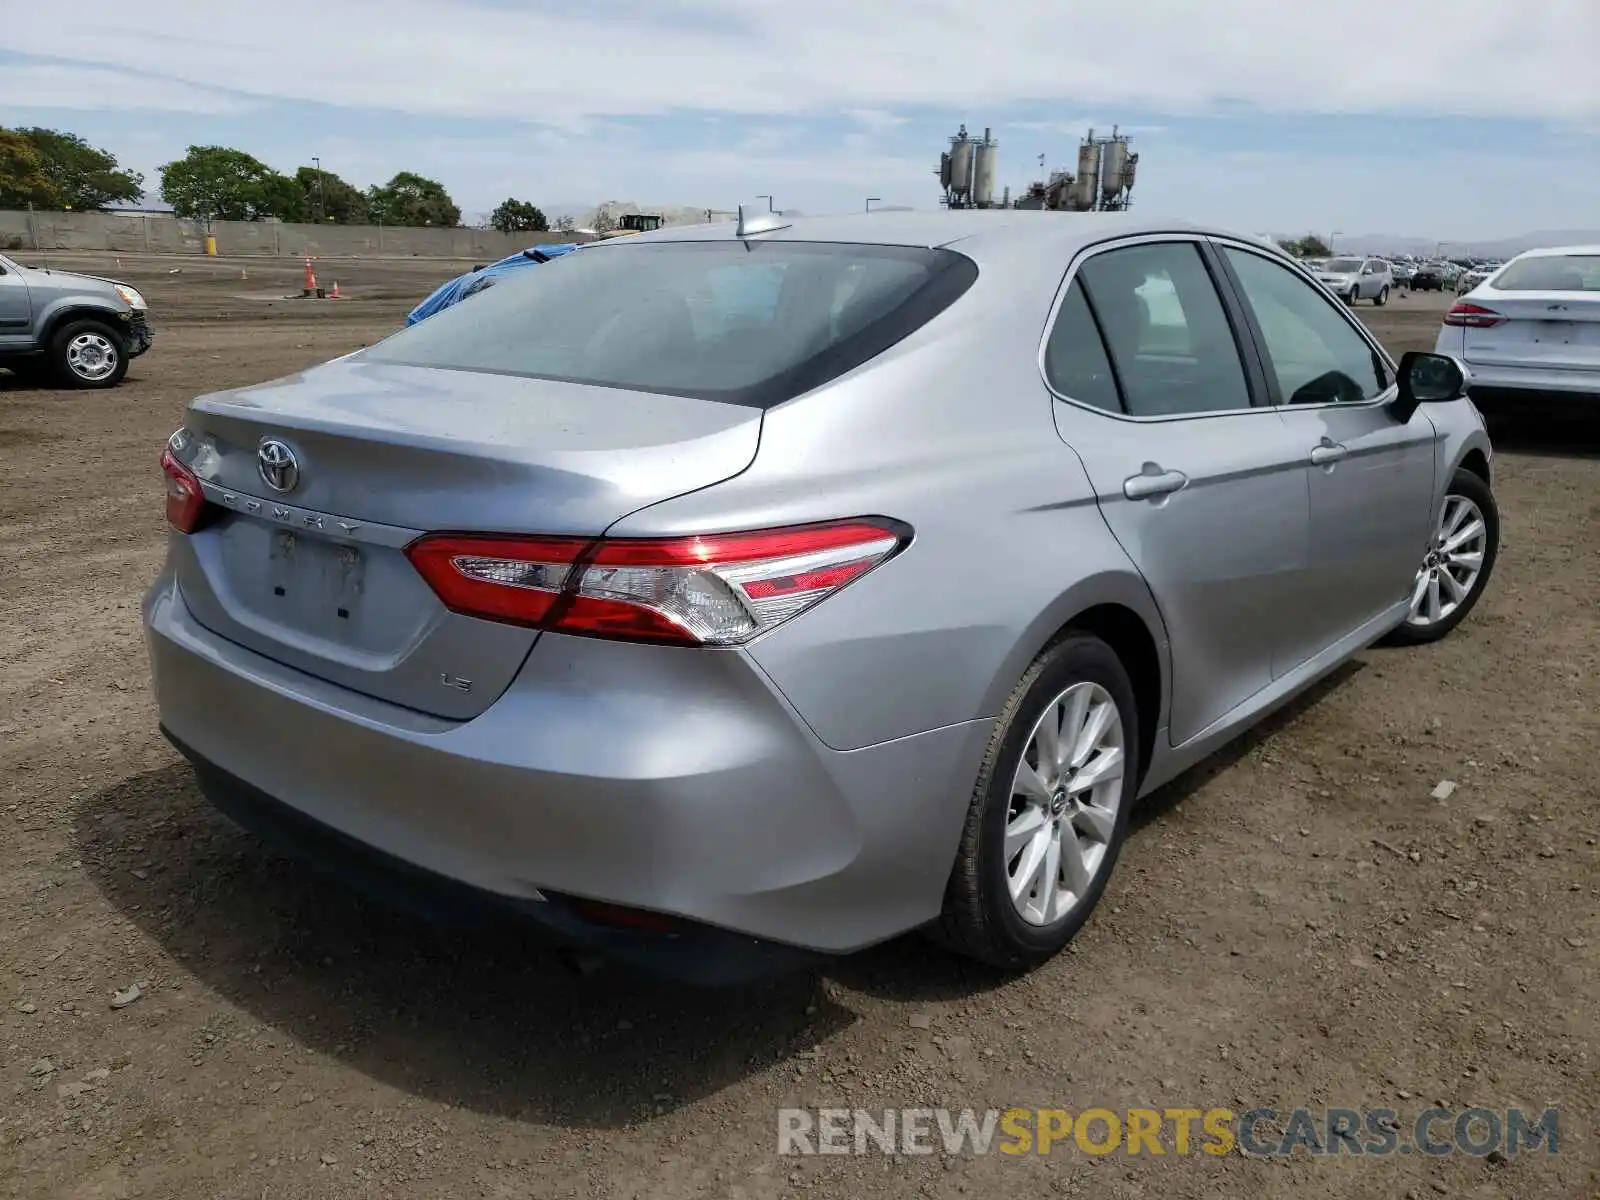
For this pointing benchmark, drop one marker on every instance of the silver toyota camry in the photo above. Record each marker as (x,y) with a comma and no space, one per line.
(730,595)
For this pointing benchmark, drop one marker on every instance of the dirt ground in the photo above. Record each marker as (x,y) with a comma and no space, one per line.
(1298,922)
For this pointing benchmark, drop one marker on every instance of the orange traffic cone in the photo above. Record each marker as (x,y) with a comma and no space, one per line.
(311,279)
(334,295)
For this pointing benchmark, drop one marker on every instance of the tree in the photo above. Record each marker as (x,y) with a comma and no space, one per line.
(604,222)
(228,185)
(23,179)
(62,171)
(329,198)
(411,199)
(564,224)
(519,216)
(87,178)
(1310,246)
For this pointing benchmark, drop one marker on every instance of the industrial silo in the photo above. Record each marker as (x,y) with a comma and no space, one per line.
(1113,163)
(1082,195)
(983,171)
(961,155)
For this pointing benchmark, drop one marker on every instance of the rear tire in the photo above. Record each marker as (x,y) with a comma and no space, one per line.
(1472,494)
(1383,297)
(88,354)
(1070,683)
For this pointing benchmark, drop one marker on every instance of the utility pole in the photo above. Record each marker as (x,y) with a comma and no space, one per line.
(870,200)
(322,207)
(768,199)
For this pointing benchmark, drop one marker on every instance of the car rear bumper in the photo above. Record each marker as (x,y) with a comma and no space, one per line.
(668,780)
(1504,384)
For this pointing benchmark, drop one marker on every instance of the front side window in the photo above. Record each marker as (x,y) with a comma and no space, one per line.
(1166,329)
(1316,357)
(740,322)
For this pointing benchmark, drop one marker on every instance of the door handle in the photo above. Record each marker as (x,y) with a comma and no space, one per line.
(1328,453)
(1151,484)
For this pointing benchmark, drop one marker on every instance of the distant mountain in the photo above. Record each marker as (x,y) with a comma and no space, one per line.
(1390,243)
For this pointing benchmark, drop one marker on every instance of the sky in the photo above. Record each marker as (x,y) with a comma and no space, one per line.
(1439,118)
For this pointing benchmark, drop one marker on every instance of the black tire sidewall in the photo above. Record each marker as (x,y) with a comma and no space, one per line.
(1078,659)
(58,353)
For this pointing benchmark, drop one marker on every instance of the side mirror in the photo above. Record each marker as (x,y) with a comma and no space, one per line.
(1428,379)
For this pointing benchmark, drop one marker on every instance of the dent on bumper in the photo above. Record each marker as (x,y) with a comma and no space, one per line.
(653,777)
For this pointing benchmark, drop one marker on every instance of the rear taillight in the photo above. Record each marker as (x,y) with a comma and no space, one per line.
(186,503)
(1473,316)
(715,590)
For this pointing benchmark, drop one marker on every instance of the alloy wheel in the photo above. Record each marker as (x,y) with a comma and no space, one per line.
(91,356)
(1065,796)
(1453,564)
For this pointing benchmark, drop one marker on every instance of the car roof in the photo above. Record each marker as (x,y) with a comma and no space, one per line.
(975,233)
(1559,251)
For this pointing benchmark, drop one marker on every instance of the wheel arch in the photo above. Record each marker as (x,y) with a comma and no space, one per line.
(1119,610)
(79,309)
(1476,461)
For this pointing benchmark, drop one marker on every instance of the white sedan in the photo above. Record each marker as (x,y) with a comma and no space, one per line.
(1531,332)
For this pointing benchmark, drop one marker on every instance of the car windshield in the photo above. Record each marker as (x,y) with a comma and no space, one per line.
(742,322)
(1342,266)
(1552,273)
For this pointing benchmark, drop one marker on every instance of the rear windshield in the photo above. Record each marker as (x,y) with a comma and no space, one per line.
(1554,273)
(744,323)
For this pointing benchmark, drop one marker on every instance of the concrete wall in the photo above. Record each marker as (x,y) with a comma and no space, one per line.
(157,233)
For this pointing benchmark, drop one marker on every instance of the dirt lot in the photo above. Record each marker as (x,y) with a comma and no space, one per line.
(1296,923)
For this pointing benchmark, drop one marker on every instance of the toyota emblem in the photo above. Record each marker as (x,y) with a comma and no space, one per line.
(279,468)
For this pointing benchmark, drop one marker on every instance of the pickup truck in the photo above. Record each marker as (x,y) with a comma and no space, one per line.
(81,330)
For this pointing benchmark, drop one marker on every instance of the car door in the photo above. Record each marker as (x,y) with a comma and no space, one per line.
(1369,477)
(1196,476)
(15,307)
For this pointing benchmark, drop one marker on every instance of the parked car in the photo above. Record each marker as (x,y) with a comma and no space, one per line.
(1401,273)
(476,280)
(76,330)
(1353,279)
(717,634)
(1430,277)
(1471,279)
(1530,333)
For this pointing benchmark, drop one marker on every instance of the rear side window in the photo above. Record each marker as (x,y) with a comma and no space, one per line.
(1553,273)
(1167,330)
(743,323)
(1075,361)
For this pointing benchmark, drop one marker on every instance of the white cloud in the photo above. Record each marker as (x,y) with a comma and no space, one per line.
(59,85)
(1468,57)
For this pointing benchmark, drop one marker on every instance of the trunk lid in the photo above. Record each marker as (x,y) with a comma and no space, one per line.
(1554,330)
(315,576)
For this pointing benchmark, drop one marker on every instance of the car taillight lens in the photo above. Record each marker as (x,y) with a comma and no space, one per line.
(1473,316)
(713,590)
(186,503)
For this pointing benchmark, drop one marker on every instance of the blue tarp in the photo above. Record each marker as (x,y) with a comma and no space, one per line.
(464,285)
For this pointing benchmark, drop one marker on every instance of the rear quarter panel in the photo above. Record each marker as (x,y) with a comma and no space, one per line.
(952,433)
